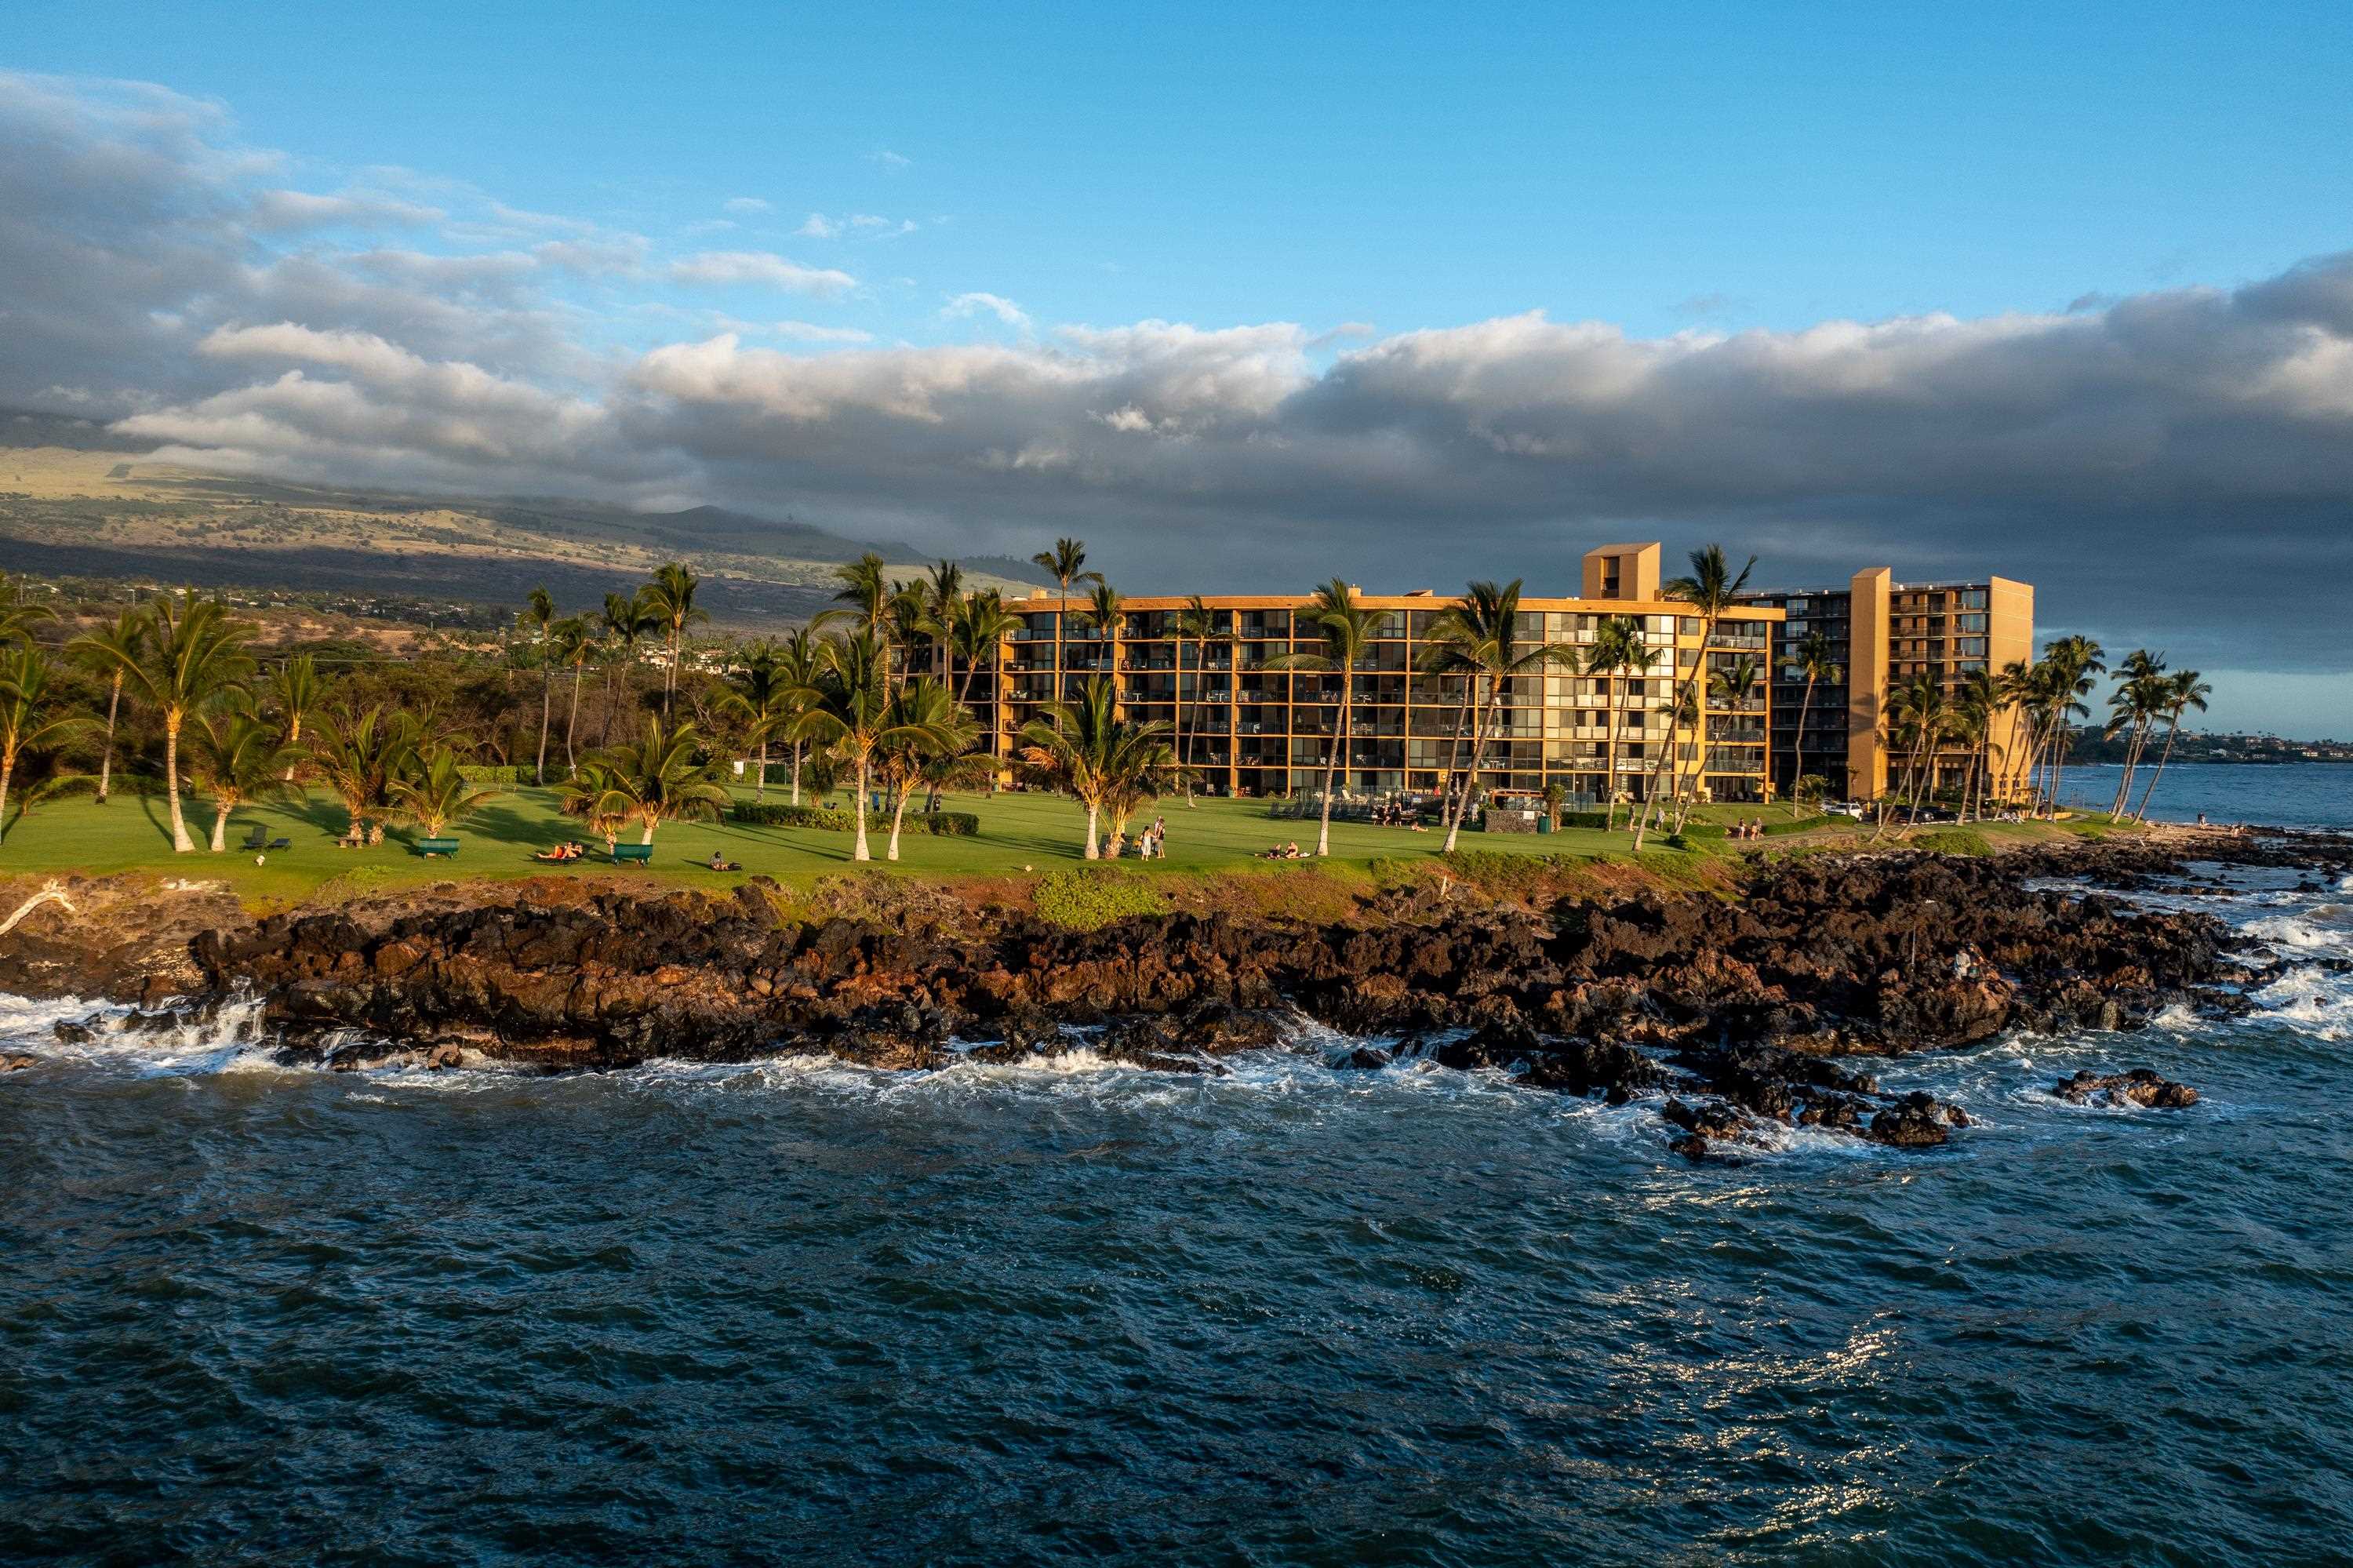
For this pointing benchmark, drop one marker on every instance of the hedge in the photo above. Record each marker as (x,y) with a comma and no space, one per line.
(831,820)
(480,773)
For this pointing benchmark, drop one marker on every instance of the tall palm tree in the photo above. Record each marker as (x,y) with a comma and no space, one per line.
(435,791)
(1711,589)
(572,642)
(358,756)
(1619,652)
(1976,701)
(1092,755)
(981,629)
(800,666)
(1197,625)
(1476,637)
(1731,688)
(626,619)
(1066,562)
(1106,613)
(2134,708)
(943,607)
(669,598)
(535,619)
(2184,691)
(1347,630)
(192,656)
(2076,661)
(758,690)
(2017,690)
(1815,657)
(849,710)
(867,589)
(110,650)
(237,759)
(655,778)
(296,693)
(922,725)
(26,724)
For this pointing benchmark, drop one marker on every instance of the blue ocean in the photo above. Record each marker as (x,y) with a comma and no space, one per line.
(802,1312)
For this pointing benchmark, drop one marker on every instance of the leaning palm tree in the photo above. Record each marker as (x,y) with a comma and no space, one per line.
(1199,626)
(1347,630)
(921,726)
(237,758)
(2075,662)
(108,651)
(2018,690)
(1632,660)
(1815,657)
(2184,691)
(537,618)
(849,709)
(655,778)
(296,694)
(1476,639)
(26,721)
(435,791)
(572,642)
(192,655)
(358,756)
(1066,563)
(2134,707)
(1711,589)
(1091,753)
(669,600)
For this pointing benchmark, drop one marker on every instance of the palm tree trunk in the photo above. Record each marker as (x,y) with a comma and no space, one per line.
(1331,772)
(1090,854)
(760,789)
(106,758)
(796,773)
(898,814)
(647,836)
(1798,752)
(1471,781)
(2172,728)
(571,721)
(546,714)
(1609,757)
(7,771)
(669,675)
(220,830)
(180,842)
(859,851)
(1061,611)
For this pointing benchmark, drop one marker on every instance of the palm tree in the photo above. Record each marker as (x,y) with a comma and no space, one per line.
(2184,691)
(358,757)
(2134,707)
(657,779)
(1815,657)
(2074,661)
(800,666)
(981,629)
(25,724)
(1347,628)
(435,792)
(1066,562)
(943,607)
(1634,662)
(572,642)
(626,619)
(295,692)
(759,691)
(18,615)
(110,650)
(1975,703)
(590,793)
(192,656)
(537,618)
(1730,688)
(1092,755)
(1476,637)
(849,709)
(921,726)
(866,588)
(1198,625)
(1710,589)
(1106,611)
(669,600)
(237,759)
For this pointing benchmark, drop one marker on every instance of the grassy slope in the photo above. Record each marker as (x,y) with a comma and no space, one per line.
(1023,837)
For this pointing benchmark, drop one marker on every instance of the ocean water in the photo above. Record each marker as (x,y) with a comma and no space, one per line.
(2302,794)
(807,1313)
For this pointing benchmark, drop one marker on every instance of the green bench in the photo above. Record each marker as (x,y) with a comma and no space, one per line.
(642,853)
(434,846)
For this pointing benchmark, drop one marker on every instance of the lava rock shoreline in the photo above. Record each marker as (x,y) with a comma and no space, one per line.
(1737,1013)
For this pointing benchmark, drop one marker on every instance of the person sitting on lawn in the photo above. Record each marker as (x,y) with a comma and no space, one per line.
(555,854)
(719,864)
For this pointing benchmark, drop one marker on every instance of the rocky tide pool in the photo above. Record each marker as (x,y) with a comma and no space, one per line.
(1294,1312)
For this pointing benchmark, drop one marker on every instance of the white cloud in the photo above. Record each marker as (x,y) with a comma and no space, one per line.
(979,305)
(747,204)
(817,226)
(891,160)
(866,224)
(809,331)
(280,211)
(761,267)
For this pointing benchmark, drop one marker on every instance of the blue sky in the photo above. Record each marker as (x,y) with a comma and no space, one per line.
(2064,292)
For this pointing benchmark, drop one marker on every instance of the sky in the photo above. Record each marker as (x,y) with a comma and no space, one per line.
(1249,296)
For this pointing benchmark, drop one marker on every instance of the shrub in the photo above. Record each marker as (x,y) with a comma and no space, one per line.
(482,773)
(942,824)
(1954,840)
(1084,900)
(784,814)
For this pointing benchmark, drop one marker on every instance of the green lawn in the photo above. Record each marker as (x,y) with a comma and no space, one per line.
(1021,833)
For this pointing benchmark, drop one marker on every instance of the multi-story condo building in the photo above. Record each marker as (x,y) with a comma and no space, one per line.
(1247,730)
(1882,633)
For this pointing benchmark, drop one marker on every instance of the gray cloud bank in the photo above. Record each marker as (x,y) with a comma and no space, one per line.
(2173,467)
